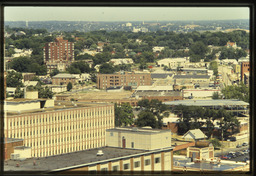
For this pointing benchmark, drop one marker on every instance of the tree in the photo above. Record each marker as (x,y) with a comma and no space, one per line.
(216,95)
(215,142)
(54,72)
(240,92)
(107,68)
(19,93)
(69,86)
(78,68)
(214,66)
(44,92)
(14,79)
(156,108)
(146,118)
(198,51)
(123,115)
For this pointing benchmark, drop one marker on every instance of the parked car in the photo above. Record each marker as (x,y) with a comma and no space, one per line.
(238,146)
(241,153)
(245,151)
(245,144)
(238,154)
(245,159)
(231,155)
(225,157)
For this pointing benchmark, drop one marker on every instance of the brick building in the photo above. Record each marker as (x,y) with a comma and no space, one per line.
(28,76)
(64,128)
(245,68)
(63,79)
(58,54)
(9,145)
(133,79)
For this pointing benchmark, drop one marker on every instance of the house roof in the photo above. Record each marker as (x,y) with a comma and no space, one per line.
(160,75)
(30,83)
(64,76)
(191,77)
(195,134)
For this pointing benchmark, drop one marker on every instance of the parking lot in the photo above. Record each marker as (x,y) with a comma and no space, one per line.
(239,154)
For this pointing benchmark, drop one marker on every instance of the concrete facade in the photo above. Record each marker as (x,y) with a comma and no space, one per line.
(62,129)
(139,138)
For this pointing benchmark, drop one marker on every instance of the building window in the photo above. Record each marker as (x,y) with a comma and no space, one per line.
(104,169)
(111,134)
(147,162)
(132,144)
(137,164)
(157,160)
(126,166)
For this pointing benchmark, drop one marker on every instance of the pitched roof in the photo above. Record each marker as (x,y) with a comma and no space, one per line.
(195,134)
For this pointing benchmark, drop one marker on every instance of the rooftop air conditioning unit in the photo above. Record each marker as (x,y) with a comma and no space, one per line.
(100,153)
(15,156)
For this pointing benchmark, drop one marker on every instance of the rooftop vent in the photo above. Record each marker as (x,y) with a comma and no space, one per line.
(134,129)
(100,153)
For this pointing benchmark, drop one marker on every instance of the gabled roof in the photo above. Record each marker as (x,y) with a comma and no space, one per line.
(195,134)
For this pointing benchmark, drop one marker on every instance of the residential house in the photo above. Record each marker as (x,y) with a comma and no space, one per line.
(194,135)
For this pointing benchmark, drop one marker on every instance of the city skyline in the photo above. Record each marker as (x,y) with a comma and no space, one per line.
(124,13)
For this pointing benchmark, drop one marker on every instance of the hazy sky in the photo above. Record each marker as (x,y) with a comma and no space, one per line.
(124,13)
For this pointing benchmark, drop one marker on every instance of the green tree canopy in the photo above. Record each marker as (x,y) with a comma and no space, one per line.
(146,118)
(69,86)
(14,79)
(123,115)
(240,92)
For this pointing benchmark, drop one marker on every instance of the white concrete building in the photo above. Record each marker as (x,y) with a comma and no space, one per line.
(138,138)
(173,62)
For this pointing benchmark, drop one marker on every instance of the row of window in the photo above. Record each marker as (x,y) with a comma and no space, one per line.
(30,134)
(60,117)
(136,165)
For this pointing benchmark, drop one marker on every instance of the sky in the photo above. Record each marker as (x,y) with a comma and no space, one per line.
(124,13)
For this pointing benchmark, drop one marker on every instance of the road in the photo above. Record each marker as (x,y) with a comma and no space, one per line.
(225,71)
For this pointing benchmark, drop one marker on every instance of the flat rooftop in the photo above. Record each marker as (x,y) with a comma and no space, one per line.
(102,95)
(144,130)
(58,106)
(222,102)
(70,160)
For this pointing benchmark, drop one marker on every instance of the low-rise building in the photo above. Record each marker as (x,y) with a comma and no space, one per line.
(138,138)
(194,135)
(200,80)
(121,61)
(63,79)
(199,93)
(202,150)
(157,49)
(99,161)
(133,79)
(28,76)
(173,62)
